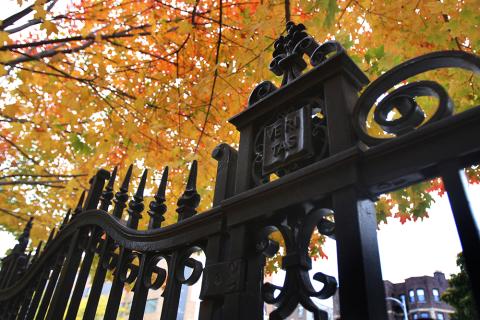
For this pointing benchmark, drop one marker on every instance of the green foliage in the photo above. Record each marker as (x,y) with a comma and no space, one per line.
(459,294)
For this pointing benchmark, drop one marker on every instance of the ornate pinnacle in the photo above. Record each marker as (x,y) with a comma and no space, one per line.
(107,194)
(158,207)
(24,238)
(289,50)
(190,199)
(121,197)
(136,206)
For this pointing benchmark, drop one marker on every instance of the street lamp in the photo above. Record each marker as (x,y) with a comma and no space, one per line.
(402,305)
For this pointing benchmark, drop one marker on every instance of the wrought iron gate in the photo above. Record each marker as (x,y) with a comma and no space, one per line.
(311,133)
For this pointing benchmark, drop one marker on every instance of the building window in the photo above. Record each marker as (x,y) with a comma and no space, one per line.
(411,296)
(415,316)
(436,295)
(151,305)
(424,315)
(440,316)
(421,295)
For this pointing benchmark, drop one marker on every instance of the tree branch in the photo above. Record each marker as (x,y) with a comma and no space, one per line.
(30,175)
(46,54)
(47,183)
(23,153)
(215,76)
(13,214)
(19,15)
(121,34)
(287,10)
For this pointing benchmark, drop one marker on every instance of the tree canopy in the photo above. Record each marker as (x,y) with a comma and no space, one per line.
(88,84)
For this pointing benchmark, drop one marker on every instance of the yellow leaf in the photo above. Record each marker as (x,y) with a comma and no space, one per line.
(3,37)
(40,11)
(50,27)
(185,26)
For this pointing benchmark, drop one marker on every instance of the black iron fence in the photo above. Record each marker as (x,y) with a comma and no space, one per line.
(312,135)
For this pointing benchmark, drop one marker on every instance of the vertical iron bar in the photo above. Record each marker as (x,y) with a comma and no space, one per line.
(135,207)
(39,289)
(468,225)
(106,251)
(156,212)
(28,299)
(52,282)
(361,289)
(82,277)
(75,251)
(186,208)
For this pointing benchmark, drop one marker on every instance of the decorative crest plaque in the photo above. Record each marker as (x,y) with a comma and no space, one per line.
(287,140)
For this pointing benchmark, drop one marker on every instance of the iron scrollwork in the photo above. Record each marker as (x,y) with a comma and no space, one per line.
(404,98)
(288,58)
(297,287)
(152,269)
(185,260)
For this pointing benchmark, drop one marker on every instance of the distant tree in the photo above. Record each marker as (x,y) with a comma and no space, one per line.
(459,294)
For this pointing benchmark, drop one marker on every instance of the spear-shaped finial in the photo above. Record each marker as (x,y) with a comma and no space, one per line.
(157,206)
(136,206)
(79,207)
(24,238)
(107,194)
(192,177)
(65,219)
(37,251)
(50,237)
(190,199)
(121,196)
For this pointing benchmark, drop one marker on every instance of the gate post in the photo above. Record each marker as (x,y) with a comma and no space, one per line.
(361,290)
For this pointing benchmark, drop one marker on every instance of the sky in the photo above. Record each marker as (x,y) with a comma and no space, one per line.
(413,249)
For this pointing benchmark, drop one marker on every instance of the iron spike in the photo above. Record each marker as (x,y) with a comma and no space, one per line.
(141,185)
(192,177)
(126,181)
(121,197)
(157,206)
(79,206)
(65,219)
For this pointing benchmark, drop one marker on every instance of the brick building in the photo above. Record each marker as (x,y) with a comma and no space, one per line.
(421,294)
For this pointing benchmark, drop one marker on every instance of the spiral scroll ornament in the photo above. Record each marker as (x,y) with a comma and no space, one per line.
(404,98)
(151,269)
(185,260)
(297,287)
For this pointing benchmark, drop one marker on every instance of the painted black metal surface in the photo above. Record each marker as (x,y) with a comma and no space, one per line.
(311,133)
